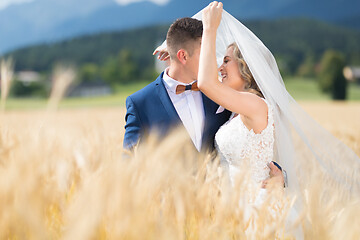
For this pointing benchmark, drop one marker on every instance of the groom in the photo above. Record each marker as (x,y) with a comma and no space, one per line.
(173,99)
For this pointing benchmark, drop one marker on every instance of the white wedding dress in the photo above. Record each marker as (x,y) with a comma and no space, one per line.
(240,148)
(243,151)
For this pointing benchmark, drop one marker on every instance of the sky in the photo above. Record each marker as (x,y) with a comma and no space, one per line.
(125,2)
(6,3)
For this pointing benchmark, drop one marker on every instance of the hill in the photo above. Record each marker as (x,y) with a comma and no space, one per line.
(91,49)
(291,40)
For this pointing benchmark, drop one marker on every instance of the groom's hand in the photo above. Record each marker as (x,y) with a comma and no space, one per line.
(276,176)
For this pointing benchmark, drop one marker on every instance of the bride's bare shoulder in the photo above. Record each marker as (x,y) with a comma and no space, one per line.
(257,116)
(258,105)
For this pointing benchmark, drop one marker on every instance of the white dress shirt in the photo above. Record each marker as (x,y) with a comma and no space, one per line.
(220,110)
(190,108)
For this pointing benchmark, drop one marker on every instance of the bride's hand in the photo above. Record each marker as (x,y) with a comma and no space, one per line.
(212,16)
(163,53)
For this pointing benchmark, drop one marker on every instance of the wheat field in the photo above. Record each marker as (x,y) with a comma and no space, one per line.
(64,175)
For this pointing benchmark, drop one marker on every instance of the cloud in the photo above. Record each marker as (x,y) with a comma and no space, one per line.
(5,3)
(126,2)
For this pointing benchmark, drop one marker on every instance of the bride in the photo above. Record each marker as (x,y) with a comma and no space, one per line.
(248,136)
(267,124)
(246,141)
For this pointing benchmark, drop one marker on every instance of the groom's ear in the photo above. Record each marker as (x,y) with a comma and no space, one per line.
(182,56)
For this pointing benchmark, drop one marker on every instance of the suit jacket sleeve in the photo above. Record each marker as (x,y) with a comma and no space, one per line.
(132,126)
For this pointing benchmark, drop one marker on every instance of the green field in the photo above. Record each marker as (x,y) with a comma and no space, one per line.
(307,90)
(115,100)
(300,88)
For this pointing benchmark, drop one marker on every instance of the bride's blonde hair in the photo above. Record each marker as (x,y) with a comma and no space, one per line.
(250,84)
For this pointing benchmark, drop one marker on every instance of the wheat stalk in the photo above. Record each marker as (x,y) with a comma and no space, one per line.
(6,77)
(62,78)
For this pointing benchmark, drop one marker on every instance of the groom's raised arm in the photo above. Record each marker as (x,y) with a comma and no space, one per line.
(132,126)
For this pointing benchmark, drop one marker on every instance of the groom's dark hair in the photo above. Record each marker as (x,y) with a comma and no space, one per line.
(183,34)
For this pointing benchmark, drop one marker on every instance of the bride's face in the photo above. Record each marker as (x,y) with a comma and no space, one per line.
(230,71)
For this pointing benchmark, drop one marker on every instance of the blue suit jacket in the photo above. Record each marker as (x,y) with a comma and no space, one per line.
(151,109)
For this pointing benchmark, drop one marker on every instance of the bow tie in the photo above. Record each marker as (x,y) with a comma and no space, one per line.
(183,88)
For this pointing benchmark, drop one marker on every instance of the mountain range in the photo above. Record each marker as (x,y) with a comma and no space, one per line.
(293,41)
(42,21)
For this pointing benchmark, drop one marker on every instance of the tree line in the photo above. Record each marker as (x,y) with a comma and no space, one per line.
(299,46)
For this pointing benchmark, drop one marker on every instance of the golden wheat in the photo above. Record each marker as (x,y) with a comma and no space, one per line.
(63,175)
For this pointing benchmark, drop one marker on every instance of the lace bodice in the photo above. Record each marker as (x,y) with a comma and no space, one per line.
(240,147)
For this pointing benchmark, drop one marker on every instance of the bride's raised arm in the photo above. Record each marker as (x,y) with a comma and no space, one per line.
(243,103)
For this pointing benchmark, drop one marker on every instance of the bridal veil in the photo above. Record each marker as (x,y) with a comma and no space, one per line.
(301,144)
